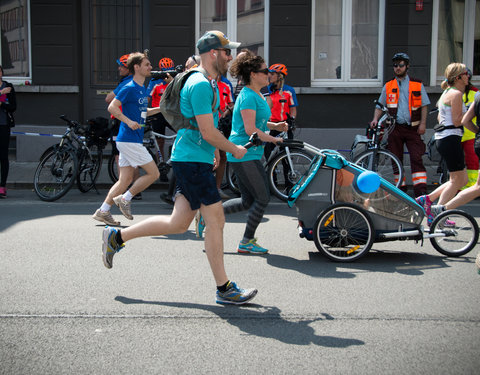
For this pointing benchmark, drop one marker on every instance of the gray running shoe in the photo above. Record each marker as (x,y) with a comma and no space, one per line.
(437,209)
(110,246)
(235,295)
(124,207)
(105,217)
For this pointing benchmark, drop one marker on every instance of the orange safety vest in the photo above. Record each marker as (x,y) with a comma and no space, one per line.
(414,99)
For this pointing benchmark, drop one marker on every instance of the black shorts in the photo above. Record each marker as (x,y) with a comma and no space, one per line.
(196,182)
(452,152)
(159,123)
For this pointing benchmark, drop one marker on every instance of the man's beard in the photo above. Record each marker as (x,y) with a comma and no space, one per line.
(403,75)
(222,69)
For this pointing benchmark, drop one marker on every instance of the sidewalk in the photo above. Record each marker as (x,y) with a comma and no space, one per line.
(21,177)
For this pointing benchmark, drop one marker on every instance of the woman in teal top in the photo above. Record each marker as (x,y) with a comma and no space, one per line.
(250,115)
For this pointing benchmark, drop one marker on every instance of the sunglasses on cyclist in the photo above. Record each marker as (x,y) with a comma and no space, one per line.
(264,71)
(227,51)
(401,65)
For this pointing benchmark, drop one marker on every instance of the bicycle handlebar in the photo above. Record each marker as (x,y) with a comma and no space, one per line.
(380,105)
(253,141)
(70,122)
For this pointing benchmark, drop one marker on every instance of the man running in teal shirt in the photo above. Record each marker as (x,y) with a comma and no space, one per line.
(192,161)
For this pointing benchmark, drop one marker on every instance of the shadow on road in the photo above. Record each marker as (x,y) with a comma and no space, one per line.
(412,264)
(263,322)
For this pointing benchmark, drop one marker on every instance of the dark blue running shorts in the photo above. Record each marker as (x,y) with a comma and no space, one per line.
(196,182)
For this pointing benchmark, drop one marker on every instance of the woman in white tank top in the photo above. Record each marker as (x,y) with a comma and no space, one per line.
(451,109)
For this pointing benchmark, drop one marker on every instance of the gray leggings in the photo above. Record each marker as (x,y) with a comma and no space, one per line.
(255,194)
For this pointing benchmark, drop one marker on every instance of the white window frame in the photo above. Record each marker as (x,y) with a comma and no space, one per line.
(346,50)
(27,79)
(232,24)
(468,39)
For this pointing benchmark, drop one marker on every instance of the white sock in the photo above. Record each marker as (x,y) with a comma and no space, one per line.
(105,207)
(127,196)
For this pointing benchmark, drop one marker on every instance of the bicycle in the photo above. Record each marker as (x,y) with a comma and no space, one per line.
(78,157)
(378,159)
(150,142)
(284,166)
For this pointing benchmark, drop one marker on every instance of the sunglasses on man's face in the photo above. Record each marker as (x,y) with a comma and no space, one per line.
(401,65)
(264,71)
(227,51)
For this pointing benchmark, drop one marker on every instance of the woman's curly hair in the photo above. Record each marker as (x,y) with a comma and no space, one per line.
(246,63)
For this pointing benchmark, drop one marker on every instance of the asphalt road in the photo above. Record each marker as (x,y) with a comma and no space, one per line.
(402,309)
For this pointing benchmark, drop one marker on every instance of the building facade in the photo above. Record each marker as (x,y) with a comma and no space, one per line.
(61,54)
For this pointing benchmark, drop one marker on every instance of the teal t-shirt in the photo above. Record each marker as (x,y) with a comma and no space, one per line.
(248,99)
(196,98)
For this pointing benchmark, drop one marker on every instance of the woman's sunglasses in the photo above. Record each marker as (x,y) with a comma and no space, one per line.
(264,71)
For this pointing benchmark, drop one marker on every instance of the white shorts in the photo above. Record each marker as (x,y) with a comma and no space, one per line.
(132,154)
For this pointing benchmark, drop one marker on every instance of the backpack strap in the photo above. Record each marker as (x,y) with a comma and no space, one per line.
(213,84)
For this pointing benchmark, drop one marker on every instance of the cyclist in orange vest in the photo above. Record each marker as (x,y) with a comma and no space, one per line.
(407,101)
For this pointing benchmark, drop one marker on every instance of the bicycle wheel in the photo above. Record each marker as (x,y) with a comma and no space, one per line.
(343,232)
(282,176)
(231,179)
(89,168)
(55,174)
(460,233)
(113,167)
(386,164)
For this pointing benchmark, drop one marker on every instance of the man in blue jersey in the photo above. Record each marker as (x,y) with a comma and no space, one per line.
(130,107)
(192,161)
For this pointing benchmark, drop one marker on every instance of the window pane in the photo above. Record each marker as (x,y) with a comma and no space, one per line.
(115,31)
(250,25)
(213,16)
(328,39)
(14,38)
(364,51)
(476,45)
(450,33)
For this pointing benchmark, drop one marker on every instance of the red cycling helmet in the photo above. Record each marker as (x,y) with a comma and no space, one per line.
(278,68)
(122,61)
(166,63)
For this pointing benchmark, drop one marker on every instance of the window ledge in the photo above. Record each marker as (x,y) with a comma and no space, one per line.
(337,90)
(352,90)
(47,89)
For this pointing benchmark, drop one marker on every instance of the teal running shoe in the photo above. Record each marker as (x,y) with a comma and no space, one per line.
(110,246)
(477,263)
(251,247)
(199,225)
(235,295)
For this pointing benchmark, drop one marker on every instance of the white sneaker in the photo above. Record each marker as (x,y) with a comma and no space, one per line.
(105,217)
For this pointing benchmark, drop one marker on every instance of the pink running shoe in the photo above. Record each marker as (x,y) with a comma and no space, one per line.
(426,203)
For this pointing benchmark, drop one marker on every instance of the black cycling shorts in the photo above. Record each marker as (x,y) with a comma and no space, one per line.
(452,152)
